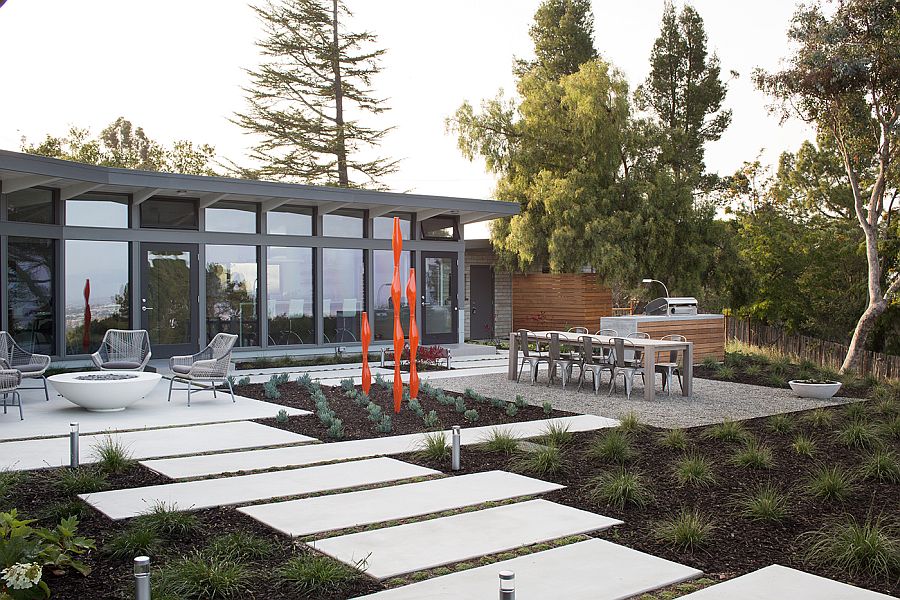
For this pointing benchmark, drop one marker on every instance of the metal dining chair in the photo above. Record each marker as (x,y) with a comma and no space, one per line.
(594,364)
(627,368)
(670,368)
(580,330)
(608,353)
(534,359)
(563,360)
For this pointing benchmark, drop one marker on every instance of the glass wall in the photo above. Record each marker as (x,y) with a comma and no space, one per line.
(440,228)
(290,220)
(31,267)
(232,217)
(169,213)
(383,227)
(96,292)
(343,294)
(289,296)
(383,271)
(97,210)
(34,205)
(343,223)
(231,282)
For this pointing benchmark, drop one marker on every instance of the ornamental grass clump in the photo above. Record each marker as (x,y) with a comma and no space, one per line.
(689,530)
(166,520)
(136,540)
(313,575)
(694,470)
(548,408)
(780,423)
(630,423)
(675,439)
(434,446)
(612,446)
(891,428)
(859,434)
(83,480)
(754,455)
(201,576)
(870,547)
(881,465)
(726,431)
(556,434)
(832,483)
(500,440)
(803,445)
(546,460)
(819,418)
(240,545)
(856,411)
(764,502)
(115,457)
(619,489)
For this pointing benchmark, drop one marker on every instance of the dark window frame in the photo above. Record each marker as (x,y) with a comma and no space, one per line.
(452,222)
(170,200)
(54,205)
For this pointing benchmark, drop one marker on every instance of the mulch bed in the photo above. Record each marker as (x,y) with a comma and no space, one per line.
(355,418)
(738,545)
(765,380)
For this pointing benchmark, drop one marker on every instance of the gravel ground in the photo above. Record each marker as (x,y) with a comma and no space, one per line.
(712,401)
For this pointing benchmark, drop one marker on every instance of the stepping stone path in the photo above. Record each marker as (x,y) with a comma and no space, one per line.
(329,513)
(253,460)
(782,583)
(54,452)
(590,570)
(426,544)
(193,495)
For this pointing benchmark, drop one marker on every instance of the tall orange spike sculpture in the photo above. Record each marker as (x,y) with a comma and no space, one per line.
(364,334)
(413,335)
(397,244)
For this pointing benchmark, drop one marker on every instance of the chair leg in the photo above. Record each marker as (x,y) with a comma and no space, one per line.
(521,367)
(171,381)
(230,389)
(189,392)
(612,381)
(214,389)
(46,393)
(629,383)
(18,399)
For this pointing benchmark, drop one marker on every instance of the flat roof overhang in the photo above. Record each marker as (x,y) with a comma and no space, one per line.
(20,171)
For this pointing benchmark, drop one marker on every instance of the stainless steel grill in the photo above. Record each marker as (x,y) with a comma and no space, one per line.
(672,306)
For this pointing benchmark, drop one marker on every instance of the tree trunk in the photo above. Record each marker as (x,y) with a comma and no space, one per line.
(340,143)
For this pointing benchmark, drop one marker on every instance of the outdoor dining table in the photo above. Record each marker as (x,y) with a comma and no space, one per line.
(649,348)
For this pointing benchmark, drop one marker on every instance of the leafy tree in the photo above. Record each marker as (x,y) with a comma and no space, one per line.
(314,75)
(563,36)
(842,77)
(122,145)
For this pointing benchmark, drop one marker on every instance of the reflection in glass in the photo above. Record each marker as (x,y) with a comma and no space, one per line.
(438,309)
(383,265)
(168,301)
(30,268)
(33,205)
(440,228)
(290,220)
(232,217)
(343,223)
(169,213)
(97,210)
(343,293)
(96,292)
(231,280)
(383,227)
(289,277)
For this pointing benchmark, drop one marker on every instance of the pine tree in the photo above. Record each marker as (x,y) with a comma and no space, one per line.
(314,75)
(563,36)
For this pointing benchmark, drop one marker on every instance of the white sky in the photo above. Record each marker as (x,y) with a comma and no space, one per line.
(175,67)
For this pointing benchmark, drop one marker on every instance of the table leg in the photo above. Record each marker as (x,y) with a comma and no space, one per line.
(649,375)
(513,357)
(688,377)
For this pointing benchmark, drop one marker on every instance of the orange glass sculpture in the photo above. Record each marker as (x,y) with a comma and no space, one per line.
(364,334)
(413,335)
(397,244)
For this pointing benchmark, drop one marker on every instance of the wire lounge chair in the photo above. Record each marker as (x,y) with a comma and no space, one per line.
(9,386)
(210,364)
(28,364)
(123,350)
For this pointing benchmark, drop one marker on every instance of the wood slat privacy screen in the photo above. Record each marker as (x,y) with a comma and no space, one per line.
(559,301)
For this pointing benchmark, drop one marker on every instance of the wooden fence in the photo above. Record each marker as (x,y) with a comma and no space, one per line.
(821,352)
(559,301)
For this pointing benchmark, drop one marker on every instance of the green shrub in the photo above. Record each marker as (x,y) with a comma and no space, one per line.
(471,415)
(459,405)
(385,425)
(335,431)
(243,381)
(754,456)
(198,576)
(10,481)
(313,575)
(724,373)
(780,423)
(611,446)
(512,410)
(546,460)
(374,411)
(501,440)
(829,483)
(63,509)
(133,541)
(281,416)
(765,503)
(114,455)
(630,423)
(361,399)
(804,445)
(726,431)
(619,488)
(688,529)
(675,439)
(434,446)
(881,465)
(270,390)
(819,418)
(753,370)
(694,470)
(83,480)
(555,434)
(520,401)
(858,434)
(778,381)
(856,411)
(431,420)
(869,548)
(240,545)
(710,362)
(166,520)
(416,406)
(891,428)
(548,408)
(347,385)
(305,381)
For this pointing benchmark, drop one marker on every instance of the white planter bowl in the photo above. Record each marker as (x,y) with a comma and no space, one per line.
(821,391)
(104,396)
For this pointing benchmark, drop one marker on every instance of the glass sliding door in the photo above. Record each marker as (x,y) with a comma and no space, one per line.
(231,282)
(169,298)
(289,295)
(31,268)
(440,322)
(343,294)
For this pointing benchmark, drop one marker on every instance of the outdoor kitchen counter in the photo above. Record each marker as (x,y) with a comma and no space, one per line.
(705,330)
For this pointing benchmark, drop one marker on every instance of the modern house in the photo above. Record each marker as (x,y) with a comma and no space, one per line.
(288,268)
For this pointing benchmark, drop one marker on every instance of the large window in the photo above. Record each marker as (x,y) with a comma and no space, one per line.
(440,228)
(290,220)
(34,205)
(383,270)
(383,227)
(289,279)
(31,267)
(231,280)
(343,223)
(343,293)
(96,292)
(97,210)
(169,213)
(232,217)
